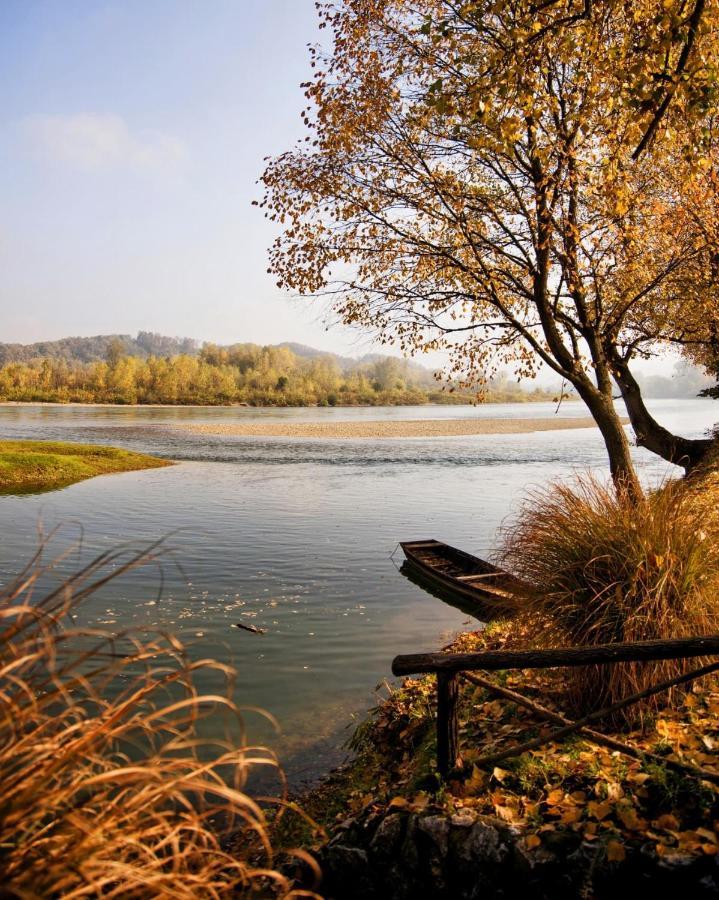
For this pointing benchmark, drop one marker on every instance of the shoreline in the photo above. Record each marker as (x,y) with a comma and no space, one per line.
(409,428)
(78,405)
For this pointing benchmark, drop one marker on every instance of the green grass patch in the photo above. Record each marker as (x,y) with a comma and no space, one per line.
(34,466)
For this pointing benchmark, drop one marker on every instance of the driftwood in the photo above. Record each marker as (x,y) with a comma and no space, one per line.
(492,660)
(253,629)
(594,737)
(573,727)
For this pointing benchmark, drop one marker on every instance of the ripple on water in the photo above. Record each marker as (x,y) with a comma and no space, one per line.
(295,537)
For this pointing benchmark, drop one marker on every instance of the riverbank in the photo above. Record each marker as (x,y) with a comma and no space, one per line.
(411,428)
(33,466)
(457,400)
(565,820)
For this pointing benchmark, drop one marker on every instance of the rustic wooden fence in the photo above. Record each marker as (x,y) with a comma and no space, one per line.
(449,667)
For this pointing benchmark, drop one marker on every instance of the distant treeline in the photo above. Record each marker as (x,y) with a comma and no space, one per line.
(243,373)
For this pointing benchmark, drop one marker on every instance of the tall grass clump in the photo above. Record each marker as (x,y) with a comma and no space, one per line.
(606,567)
(107,788)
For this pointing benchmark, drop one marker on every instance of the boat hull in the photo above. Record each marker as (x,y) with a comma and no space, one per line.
(479,587)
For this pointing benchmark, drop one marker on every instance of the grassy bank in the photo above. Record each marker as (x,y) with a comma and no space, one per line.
(29,466)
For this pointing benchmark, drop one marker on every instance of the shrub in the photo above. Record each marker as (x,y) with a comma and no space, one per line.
(608,568)
(106,787)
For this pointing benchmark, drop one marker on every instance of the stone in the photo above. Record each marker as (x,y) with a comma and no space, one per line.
(479,845)
(388,836)
(409,854)
(437,828)
(462,820)
(349,860)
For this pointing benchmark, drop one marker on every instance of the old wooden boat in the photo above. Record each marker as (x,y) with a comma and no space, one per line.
(482,587)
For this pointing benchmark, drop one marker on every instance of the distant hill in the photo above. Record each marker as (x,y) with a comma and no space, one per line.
(96,348)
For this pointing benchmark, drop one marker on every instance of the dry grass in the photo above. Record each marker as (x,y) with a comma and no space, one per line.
(106,788)
(605,568)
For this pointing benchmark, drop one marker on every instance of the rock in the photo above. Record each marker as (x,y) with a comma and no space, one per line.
(433,844)
(437,828)
(388,837)
(348,860)
(462,820)
(479,845)
(348,833)
(346,873)
(409,854)
(534,865)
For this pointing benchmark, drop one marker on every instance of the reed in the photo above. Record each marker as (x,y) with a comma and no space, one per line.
(107,788)
(605,567)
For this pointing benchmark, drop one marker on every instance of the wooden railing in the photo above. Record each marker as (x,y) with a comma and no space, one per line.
(449,666)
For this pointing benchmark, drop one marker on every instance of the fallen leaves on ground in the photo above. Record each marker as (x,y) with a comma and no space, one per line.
(601,795)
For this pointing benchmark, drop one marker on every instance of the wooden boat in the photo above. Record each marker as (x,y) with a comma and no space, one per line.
(483,589)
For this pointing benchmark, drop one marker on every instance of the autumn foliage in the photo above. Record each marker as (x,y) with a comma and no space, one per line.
(509,182)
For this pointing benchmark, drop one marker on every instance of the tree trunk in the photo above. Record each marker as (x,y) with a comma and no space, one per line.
(649,433)
(615,440)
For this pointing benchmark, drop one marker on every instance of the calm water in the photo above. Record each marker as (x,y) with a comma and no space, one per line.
(296,536)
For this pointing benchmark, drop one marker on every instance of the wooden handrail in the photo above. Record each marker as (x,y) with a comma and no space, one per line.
(492,660)
(447,667)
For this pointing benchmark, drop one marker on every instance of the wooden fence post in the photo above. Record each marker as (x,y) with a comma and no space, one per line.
(447,722)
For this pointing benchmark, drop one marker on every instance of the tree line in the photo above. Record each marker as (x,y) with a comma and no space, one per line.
(243,373)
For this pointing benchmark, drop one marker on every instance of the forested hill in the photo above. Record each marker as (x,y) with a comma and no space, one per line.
(101,347)
(155,369)
(97,348)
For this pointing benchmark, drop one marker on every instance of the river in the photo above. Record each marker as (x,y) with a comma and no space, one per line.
(296,536)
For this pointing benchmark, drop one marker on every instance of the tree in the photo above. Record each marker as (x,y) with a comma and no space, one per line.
(115,352)
(496,178)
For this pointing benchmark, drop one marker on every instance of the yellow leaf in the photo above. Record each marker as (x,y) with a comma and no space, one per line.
(571,815)
(398,802)
(476,783)
(532,841)
(499,774)
(615,852)
(667,822)
(420,802)
(599,811)
(629,818)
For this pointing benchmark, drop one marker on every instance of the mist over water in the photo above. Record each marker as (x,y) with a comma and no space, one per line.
(295,536)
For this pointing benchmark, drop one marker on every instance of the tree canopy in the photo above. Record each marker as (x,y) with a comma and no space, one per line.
(516,182)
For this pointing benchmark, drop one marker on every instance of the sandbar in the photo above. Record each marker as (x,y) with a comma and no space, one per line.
(391,428)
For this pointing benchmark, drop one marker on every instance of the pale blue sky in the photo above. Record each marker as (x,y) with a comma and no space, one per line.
(132,133)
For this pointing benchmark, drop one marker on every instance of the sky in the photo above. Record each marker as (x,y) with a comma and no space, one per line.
(132,135)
